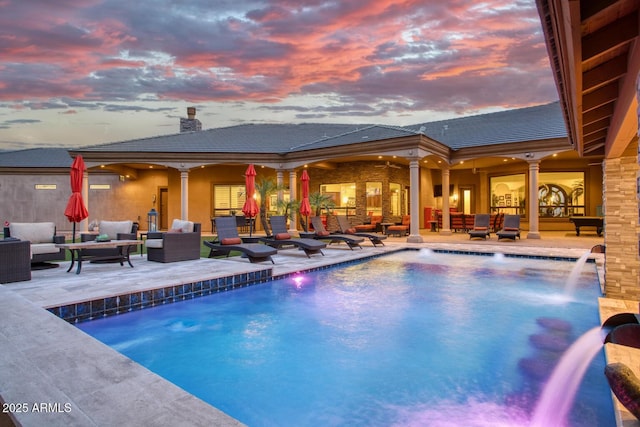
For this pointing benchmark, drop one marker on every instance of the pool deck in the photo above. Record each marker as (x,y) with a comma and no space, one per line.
(48,364)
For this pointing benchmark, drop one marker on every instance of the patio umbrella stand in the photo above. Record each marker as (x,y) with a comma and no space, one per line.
(76,210)
(250,207)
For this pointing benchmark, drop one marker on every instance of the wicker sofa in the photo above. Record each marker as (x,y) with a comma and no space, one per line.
(115,230)
(42,237)
(180,243)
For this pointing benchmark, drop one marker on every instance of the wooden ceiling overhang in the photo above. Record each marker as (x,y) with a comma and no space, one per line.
(594,52)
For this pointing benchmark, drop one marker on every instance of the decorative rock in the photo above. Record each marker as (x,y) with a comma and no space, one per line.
(549,342)
(554,324)
(625,385)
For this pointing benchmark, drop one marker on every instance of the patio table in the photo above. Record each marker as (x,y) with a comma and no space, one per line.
(77,256)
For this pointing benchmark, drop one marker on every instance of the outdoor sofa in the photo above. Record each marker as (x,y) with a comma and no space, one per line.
(42,237)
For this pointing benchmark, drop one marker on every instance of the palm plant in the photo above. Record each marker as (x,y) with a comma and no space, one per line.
(265,187)
(319,201)
(284,207)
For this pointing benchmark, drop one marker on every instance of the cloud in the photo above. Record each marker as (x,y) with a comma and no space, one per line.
(371,57)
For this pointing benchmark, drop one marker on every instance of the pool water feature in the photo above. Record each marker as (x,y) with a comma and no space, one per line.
(415,338)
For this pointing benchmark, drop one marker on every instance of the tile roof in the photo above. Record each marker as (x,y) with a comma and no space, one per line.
(36,158)
(520,125)
(252,138)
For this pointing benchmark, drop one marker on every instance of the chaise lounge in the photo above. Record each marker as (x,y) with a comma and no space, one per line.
(281,238)
(511,228)
(481,227)
(321,233)
(229,240)
(346,228)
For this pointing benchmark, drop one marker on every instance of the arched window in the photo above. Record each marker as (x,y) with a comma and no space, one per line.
(553,200)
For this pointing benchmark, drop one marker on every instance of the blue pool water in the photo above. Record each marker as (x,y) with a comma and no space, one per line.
(413,338)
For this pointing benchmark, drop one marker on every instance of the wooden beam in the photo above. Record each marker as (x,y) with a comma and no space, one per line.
(609,37)
(600,97)
(604,73)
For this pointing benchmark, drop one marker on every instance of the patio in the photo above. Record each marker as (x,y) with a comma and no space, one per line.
(47,360)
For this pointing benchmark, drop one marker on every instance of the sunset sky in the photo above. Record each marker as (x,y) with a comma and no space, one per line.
(84,72)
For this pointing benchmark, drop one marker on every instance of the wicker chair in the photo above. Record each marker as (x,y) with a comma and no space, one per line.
(15,260)
(182,243)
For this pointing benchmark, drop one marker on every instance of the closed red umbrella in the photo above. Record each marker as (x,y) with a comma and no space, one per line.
(305,207)
(76,211)
(250,208)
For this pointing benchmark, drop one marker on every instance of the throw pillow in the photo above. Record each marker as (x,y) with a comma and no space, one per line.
(283,236)
(231,241)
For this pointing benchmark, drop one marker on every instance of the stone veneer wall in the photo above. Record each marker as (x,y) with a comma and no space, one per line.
(359,173)
(622,263)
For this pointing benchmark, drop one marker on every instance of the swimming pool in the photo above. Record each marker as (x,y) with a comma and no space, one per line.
(413,338)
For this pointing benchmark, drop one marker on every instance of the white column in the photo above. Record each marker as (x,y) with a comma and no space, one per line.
(293,223)
(446,217)
(280,183)
(534,213)
(184,195)
(84,224)
(414,176)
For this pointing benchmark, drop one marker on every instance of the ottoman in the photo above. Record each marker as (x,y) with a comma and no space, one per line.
(15,260)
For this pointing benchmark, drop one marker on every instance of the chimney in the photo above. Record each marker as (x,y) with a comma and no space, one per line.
(190,124)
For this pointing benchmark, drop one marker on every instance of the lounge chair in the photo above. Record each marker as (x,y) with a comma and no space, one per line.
(346,228)
(371,224)
(480,228)
(401,228)
(229,240)
(321,233)
(511,228)
(280,238)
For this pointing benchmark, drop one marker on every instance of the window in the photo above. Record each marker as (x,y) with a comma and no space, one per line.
(508,194)
(374,197)
(561,194)
(228,199)
(396,198)
(343,196)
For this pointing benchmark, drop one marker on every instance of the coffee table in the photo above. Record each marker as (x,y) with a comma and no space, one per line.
(77,256)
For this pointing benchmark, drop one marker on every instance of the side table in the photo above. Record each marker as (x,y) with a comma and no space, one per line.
(15,261)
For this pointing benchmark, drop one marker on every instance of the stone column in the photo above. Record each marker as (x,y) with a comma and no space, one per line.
(184,195)
(293,195)
(280,183)
(622,269)
(414,228)
(534,213)
(446,217)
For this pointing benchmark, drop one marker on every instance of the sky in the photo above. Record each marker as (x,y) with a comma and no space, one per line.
(75,73)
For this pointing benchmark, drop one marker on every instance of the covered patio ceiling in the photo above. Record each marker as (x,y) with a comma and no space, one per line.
(595,57)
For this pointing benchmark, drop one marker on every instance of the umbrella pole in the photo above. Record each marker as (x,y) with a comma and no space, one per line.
(73,235)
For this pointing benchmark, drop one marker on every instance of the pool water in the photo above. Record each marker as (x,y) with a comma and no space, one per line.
(413,338)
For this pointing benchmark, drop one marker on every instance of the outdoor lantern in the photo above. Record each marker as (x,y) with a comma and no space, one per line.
(152,220)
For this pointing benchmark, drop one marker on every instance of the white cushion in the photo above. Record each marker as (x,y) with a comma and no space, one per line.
(154,243)
(44,248)
(112,228)
(185,226)
(35,232)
